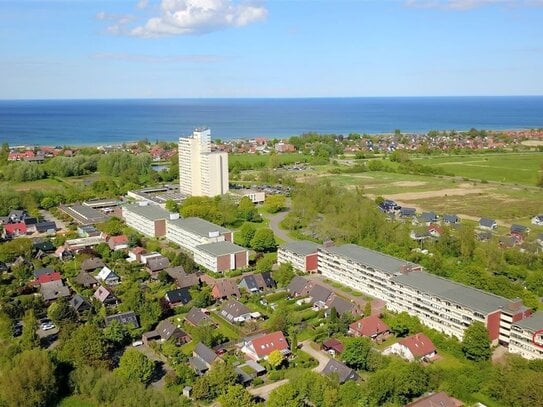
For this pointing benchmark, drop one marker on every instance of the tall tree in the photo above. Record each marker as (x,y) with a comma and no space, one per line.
(236,396)
(264,240)
(476,343)
(135,366)
(356,352)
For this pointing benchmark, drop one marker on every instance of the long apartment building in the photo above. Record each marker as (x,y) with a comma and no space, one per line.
(149,220)
(201,171)
(441,304)
(191,232)
(527,337)
(301,254)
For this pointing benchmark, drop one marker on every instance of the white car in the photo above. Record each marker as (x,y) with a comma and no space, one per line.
(137,343)
(46,326)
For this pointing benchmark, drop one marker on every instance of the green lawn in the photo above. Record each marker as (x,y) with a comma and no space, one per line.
(75,401)
(257,160)
(226,328)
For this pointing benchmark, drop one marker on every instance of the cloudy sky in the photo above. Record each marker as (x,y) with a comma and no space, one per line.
(273,48)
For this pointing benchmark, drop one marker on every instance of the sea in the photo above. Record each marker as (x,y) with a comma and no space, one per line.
(114,121)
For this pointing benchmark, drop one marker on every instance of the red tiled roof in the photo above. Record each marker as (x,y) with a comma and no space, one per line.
(12,228)
(137,250)
(419,345)
(47,278)
(268,343)
(118,239)
(369,326)
(334,344)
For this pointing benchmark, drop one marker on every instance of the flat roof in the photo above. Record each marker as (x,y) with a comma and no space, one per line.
(382,262)
(85,214)
(533,323)
(198,226)
(301,247)
(151,212)
(221,248)
(475,299)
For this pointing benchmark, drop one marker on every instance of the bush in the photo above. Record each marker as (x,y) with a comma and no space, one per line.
(276,375)
(258,381)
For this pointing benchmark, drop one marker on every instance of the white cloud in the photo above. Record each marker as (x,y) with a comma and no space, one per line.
(146,58)
(142,4)
(459,5)
(185,17)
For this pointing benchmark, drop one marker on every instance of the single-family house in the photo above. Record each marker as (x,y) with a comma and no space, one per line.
(519,229)
(427,218)
(48,227)
(319,295)
(108,276)
(45,246)
(156,264)
(79,304)
(135,253)
(124,318)
(224,288)
(12,230)
(118,242)
(166,331)
(235,311)
(371,327)
(197,317)
(202,358)
(537,220)
(53,290)
(507,242)
(341,305)
(343,372)
(257,282)
(86,280)
(435,230)
(451,219)
(104,296)
(46,275)
(299,287)
(487,224)
(407,212)
(181,278)
(179,296)
(440,399)
(92,264)
(333,346)
(260,347)
(414,347)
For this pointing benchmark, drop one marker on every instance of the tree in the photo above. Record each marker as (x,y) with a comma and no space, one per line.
(135,366)
(21,246)
(171,206)
(265,263)
(274,203)
(403,324)
(263,240)
(247,210)
(476,343)
(236,396)
(117,333)
(84,345)
(201,298)
(367,309)
(113,226)
(275,359)
(29,381)
(29,339)
(356,352)
(284,274)
(246,233)
(61,311)
(47,202)
(6,327)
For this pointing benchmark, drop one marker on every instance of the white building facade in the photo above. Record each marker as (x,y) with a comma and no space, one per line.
(527,337)
(201,171)
(191,232)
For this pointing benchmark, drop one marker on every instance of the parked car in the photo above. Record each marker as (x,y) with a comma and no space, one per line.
(137,343)
(46,326)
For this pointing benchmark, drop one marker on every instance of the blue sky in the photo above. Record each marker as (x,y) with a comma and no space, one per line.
(296,48)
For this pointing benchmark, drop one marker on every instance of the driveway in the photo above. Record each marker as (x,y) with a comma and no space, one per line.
(162,366)
(264,391)
(274,221)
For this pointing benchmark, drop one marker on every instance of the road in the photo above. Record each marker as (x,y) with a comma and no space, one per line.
(274,220)
(321,357)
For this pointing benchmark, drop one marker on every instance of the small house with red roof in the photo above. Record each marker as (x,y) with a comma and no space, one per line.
(414,347)
(333,346)
(14,230)
(118,242)
(260,347)
(47,278)
(372,327)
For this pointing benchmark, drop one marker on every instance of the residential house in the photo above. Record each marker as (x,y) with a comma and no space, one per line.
(451,219)
(487,224)
(414,347)
(519,229)
(48,227)
(225,288)
(12,230)
(80,304)
(341,305)
(235,311)
(260,347)
(257,282)
(440,399)
(319,295)
(92,264)
(537,220)
(86,280)
(53,290)
(333,346)
(179,296)
(197,317)
(299,287)
(435,230)
(181,278)
(166,331)
(156,264)
(124,318)
(427,218)
(87,231)
(371,327)
(104,296)
(507,242)
(407,212)
(301,254)
(46,275)
(118,242)
(343,372)
(202,358)
(108,276)
(45,246)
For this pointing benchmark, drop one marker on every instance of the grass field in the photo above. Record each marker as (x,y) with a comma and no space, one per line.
(75,401)
(257,160)
(516,168)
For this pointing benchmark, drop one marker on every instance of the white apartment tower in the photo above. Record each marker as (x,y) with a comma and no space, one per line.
(201,172)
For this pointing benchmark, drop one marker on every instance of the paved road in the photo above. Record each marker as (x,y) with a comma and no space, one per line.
(321,357)
(275,219)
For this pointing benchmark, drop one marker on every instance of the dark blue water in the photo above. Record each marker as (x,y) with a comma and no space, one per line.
(69,122)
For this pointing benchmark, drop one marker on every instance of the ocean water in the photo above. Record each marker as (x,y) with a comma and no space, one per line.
(78,122)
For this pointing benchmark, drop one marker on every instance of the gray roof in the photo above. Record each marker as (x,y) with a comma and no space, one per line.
(198,226)
(457,293)
(532,323)
(319,293)
(78,301)
(344,372)
(519,228)
(234,309)
(301,247)
(450,218)
(197,317)
(151,212)
(342,306)
(166,330)
(204,353)
(221,248)
(53,290)
(123,318)
(158,263)
(371,258)
(92,264)
(85,279)
(297,285)
(487,222)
